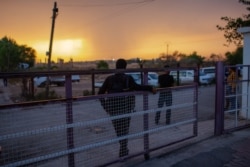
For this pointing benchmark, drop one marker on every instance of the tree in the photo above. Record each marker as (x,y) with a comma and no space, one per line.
(236,57)
(169,59)
(27,55)
(193,59)
(102,65)
(213,58)
(178,55)
(11,54)
(9,58)
(232,25)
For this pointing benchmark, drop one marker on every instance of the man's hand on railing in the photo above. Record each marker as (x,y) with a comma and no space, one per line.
(154,90)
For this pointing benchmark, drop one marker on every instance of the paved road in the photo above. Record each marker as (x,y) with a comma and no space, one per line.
(206,102)
(4,94)
(229,150)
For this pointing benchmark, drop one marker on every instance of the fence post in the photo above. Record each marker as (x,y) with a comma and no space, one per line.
(69,119)
(178,75)
(145,120)
(197,81)
(93,82)
(219,99)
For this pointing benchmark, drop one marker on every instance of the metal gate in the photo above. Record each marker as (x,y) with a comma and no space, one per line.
(232,97)
(78,132)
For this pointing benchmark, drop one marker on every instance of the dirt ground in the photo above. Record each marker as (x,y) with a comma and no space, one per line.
(85,84)
(15,86)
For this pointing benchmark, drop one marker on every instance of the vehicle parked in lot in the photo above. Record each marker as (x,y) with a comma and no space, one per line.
(98,84)
(209,71)
(54,80)
(152,79)
(187,76)
(75,78)
(205,79)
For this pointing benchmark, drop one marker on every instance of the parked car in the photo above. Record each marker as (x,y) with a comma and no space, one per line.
(187,76)
(209,71)
(54,80)
(98,84)
(40,81)
(152,79)
(205,79)
(75,78)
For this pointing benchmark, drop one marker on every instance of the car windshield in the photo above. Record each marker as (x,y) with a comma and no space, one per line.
(202,73)
(153,76)
(209,70)
(135,76)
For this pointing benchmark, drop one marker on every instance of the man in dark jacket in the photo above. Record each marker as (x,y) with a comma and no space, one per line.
(118,105)
(165,80)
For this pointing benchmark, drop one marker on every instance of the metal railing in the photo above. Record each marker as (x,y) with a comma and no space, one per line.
(76,131)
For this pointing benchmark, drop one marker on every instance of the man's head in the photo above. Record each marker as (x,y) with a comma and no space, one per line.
(121,64)
(232,69)
(167,69)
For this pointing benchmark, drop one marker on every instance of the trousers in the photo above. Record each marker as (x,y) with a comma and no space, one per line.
(164,97)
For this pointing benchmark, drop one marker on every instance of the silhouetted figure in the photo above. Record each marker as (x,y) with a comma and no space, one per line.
(165,80)
(5,82)
(118,105)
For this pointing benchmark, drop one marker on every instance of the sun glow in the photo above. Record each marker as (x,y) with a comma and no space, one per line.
(66,48)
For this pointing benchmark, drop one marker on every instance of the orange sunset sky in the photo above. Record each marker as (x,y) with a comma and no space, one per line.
(109,29)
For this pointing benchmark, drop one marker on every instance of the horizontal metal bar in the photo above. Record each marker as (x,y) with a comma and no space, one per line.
(87,123)
(94,145)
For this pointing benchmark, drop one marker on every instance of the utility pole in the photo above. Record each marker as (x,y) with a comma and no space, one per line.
(167,50)
(55,13)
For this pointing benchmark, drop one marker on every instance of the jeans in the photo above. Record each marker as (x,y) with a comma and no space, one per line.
(165,97)
(231,101)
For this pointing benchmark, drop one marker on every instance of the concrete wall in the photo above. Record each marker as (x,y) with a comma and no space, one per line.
(246,61)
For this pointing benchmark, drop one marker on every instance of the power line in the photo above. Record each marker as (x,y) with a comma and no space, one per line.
(107,4)
(112,15)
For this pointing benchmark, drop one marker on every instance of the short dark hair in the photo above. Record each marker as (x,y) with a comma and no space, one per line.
(233,68)
(121,64)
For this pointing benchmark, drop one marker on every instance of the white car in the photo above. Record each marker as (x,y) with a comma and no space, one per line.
(152,79)
(187,76)
(205,79)
(209,71)
(54,80)
(40,81)
(98,84)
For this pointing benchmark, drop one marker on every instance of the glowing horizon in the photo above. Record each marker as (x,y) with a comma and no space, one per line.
(90,32)
(77,49)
